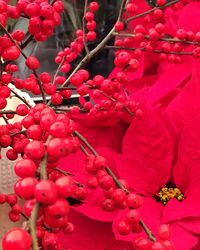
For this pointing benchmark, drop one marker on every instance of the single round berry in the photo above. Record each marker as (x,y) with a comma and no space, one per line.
(32,63)
(17,238)
(46,192)
(25,168)
(58,209)
(35,150)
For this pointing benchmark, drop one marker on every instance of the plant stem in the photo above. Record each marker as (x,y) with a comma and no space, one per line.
(166,39)
(5,119)
(32,226)
(8,112)
(155,51)
(27,41)
(34,214)
(19,97)
(147,231)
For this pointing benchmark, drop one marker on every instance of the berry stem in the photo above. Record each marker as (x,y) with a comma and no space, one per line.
(8,112)
(58,69)
(155,51)
(32,226)
(147,231)
(166,39)
(63,172)
(21,98)
(5,119)
(26,42)
(34,214)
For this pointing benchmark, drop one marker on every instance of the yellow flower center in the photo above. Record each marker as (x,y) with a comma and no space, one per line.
(167,194)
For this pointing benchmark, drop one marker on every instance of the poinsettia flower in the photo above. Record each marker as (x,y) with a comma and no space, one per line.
(136,166)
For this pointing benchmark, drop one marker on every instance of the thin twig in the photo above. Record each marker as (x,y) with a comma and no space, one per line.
(19,97)
(27,41)
(155,50)
(166,39)
(5,119)
(58,69)
(147,231)
(8,112)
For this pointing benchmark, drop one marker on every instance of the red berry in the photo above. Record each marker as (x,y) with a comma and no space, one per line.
(17,238)
(124,228)
(22,109)
(163,232)
(35,150)
(11,53)
(64,186)
(58,209)
(11,199)
(132,216)
(25,168)
(69,229)
(58,222)
(119,196)
(161,2)
(134,201)
(57,148)
(25,188)
(34,132)
(56,99)
(46,192)
(93,6)
(18,35)
(157,246)
(3,102)
(32,63)
(28,207)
